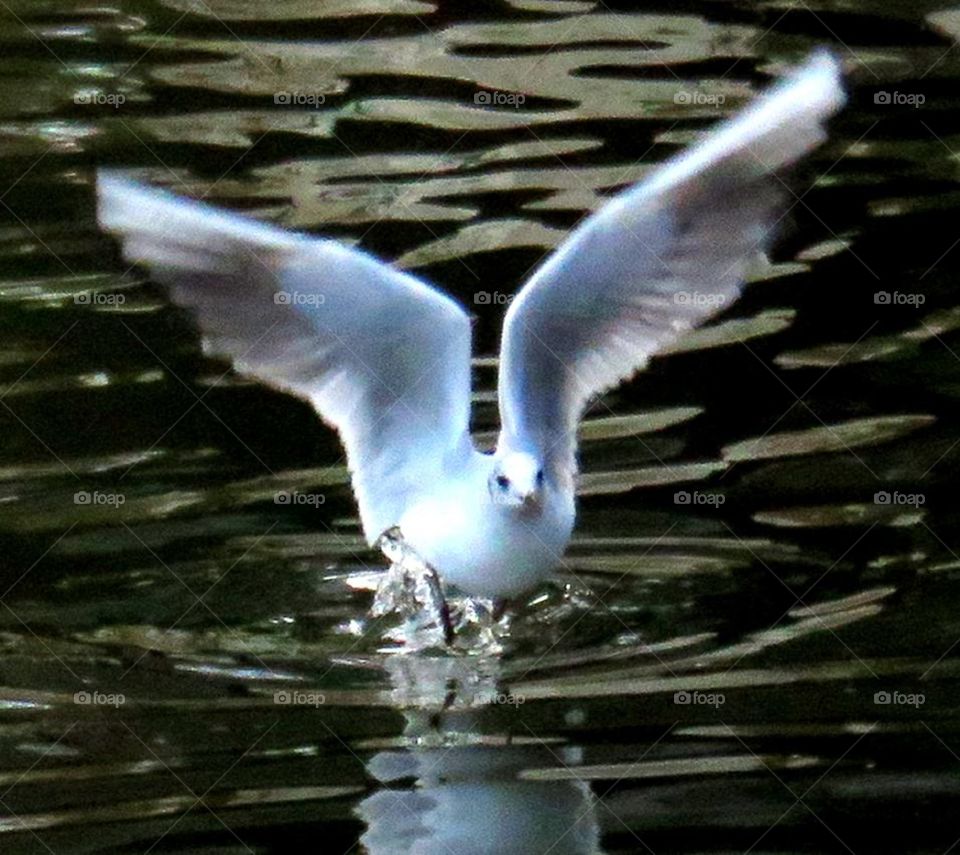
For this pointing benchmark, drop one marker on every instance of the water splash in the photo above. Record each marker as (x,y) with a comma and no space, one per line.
(431,616)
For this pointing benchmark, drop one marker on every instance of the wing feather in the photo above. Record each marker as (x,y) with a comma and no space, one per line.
(383,357)
(657,260)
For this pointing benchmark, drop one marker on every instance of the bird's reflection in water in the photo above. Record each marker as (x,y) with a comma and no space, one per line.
(450,788)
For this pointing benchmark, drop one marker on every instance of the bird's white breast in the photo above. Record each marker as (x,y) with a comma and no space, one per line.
(483,548)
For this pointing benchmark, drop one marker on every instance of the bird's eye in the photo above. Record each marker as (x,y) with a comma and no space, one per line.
(539,477)
(503,482)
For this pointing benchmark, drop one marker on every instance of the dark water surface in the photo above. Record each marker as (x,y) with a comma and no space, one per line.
(238,696)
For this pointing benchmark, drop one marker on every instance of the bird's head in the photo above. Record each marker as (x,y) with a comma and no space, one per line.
(517,480)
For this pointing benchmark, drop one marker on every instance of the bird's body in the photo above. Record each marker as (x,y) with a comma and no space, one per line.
(485,547)
(385,358)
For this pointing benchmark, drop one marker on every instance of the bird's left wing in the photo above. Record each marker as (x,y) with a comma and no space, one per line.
(656,261)
(382,356)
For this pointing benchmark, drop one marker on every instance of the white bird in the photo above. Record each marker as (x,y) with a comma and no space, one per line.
(385,358)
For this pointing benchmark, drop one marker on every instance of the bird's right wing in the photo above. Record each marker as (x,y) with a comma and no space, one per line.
(382,356)
(655,261)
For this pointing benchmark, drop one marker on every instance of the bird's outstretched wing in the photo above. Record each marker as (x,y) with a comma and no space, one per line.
(382,357)
(655,261)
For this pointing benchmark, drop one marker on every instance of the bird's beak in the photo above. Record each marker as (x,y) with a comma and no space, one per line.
(531,501)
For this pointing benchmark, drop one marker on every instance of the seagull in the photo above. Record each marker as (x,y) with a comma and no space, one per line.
(384,357)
